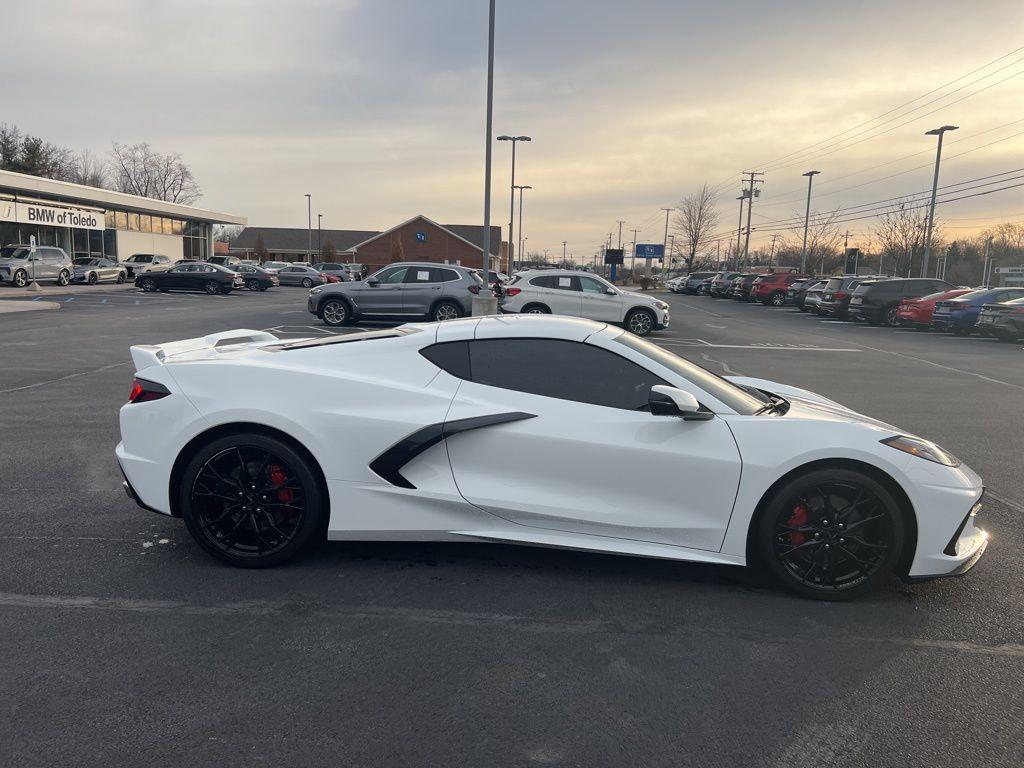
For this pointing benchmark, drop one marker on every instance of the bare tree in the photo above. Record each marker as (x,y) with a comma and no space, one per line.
(89,170)
(226,233)
(823,240)
(329,252)
(140,170)
(695,220)
(260,249)
(900,232)
(397,251)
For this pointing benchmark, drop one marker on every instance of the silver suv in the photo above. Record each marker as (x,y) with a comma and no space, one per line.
(404,290)
(20,266)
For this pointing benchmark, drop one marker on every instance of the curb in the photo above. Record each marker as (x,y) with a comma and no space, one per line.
(8,307)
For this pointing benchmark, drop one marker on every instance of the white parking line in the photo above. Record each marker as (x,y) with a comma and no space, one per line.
(764,346)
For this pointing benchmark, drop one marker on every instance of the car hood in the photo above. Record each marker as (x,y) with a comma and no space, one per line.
(10,262)
(635,295)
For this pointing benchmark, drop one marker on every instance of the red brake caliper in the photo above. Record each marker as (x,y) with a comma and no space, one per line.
(796,520)
(278,477)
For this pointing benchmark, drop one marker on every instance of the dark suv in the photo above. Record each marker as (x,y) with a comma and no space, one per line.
(877,300)
(741,286)
(835,300)
(721,284)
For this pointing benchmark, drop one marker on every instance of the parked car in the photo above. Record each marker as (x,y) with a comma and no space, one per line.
(224,261)
(431,432)
(917,313)
(836,295)
(812,297)
(960,315)
(138,263)
(19,265)
(499,278)
(721,284)
(96,270)
(771,289)
(211,278)
(565,292)
(797,292)
(256,278)
(329,268)
(1004,321)
(300,274)
(274,266)
(877,301)
(741,286)
(694,282)
(409,290)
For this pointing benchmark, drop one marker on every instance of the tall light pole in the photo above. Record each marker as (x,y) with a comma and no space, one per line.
(522,245)
(319,245)
(512,196)
(632,258)
(309,227)
(807,218)
(739,228)
(664,248)
(935,187)
(563,255)
(484,302)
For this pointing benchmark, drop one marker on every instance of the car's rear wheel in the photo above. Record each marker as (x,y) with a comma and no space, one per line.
(446,310)
(307,283)
(335,312)
(21,278)
(251,500)
(890,315)
(535,309)
(212,287)
(148,285)
(640,322)
(252,285)
(831,534)
(120,278)
(777,299)
(92,279)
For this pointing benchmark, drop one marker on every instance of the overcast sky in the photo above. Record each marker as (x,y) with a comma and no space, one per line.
(376,107)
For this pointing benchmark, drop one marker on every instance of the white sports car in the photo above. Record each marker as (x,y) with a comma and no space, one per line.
(539,430)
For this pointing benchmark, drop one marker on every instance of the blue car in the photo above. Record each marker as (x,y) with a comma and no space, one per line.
(960,315)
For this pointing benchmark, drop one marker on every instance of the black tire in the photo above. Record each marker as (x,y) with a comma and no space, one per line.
(148,284)
(445,310)
(806,539)
(63,277)
(20,278)
(212,287)
(252,285)
(777,299)
(92,279)
(336,312)
(889,317)
(1006,338)
(120,278)
(802,308)
(226,290)
(535,309)
(307,283)
(640,322)
(263,288)
(281,506)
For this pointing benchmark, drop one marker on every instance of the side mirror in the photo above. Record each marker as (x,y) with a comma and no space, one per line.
(670,401)
(373,282)
(611,291)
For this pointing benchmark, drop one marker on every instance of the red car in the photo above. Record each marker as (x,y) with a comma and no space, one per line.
(918,312)
(771,289)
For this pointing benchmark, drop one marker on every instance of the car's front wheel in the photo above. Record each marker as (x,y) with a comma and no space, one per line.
(777,299)
(535,309)
(640,322)
(335,312)
(21,278)
(63,277)
(120,278)
(251,500)
(307,283)
(830,534)
(148,285)
(92,279)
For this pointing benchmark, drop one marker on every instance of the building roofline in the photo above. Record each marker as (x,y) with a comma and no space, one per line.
(22,182)
(427,219)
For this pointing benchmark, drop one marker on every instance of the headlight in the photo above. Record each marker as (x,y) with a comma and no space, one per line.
(318,289)
(924,449)
(661,305)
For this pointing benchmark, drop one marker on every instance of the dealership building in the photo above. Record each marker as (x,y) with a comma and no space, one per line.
(88,221)
(417,239)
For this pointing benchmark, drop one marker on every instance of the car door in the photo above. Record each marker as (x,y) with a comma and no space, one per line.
(564,296)
(422,288)
(596,303)
(172,278)
(585,455)
(382,293)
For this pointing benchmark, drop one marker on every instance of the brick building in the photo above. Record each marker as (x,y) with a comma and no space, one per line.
(418,239)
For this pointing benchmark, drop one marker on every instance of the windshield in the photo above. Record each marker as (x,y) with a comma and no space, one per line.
(734,396)
(11,252)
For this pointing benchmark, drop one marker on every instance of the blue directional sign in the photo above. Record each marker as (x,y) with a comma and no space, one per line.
(650,250)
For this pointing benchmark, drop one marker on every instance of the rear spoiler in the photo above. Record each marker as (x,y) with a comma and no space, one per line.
(146,355)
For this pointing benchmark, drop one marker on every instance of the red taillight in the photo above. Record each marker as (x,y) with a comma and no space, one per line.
(143,391)
(474,289)
(513,291)
(840,295)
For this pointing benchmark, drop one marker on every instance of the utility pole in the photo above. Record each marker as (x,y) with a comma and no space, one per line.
(563,255)
(846,241)
(718,254)
(671,250)
(935,186)
(621,222)
(807,218)
(512,196)
(739,228)
(309,228)
(771,255)
(319,246)
(664,248)
(632,258)
(988,248)
(750,207)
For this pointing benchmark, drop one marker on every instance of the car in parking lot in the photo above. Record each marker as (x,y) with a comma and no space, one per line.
(796,296)
(224,261)
(959,315)
(917,313)
(334,268)
(138,263)
(771,289)
(20,265)
(97,270)
(721,284)
(741,286)
(274,266)
(197,276)
(812,297)
(877,301)
(406,290)
(694,282)
(256,278)
(300,274)
(1004,321)
(837,292)
(566,292)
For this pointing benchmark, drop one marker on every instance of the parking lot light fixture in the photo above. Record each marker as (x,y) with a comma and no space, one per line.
(512,201)
(935,187)
(807,217)
(309,228)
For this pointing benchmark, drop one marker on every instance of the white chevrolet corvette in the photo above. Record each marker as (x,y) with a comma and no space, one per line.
(539,430)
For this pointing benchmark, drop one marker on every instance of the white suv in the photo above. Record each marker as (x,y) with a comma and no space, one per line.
(578,294)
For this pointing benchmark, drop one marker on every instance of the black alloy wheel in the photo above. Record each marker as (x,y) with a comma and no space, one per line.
(890,314)
(212,287)
(252,285)
(251,500)
(120,278)
(92,279)
(777,299)
(831,534)
(307,283)
(148,284)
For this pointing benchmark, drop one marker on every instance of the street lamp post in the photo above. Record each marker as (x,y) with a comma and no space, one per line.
(484,303)
(319,245)
(935,186)
(309,228)
(522,240)
(807,218)
(512,197)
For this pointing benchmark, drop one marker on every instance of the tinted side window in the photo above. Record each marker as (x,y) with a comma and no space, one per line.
(566,370)
(451,356)
(445,275)
(421,275)
(541,282)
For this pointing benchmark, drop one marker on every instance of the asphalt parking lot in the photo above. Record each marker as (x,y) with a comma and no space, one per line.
(123,644)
